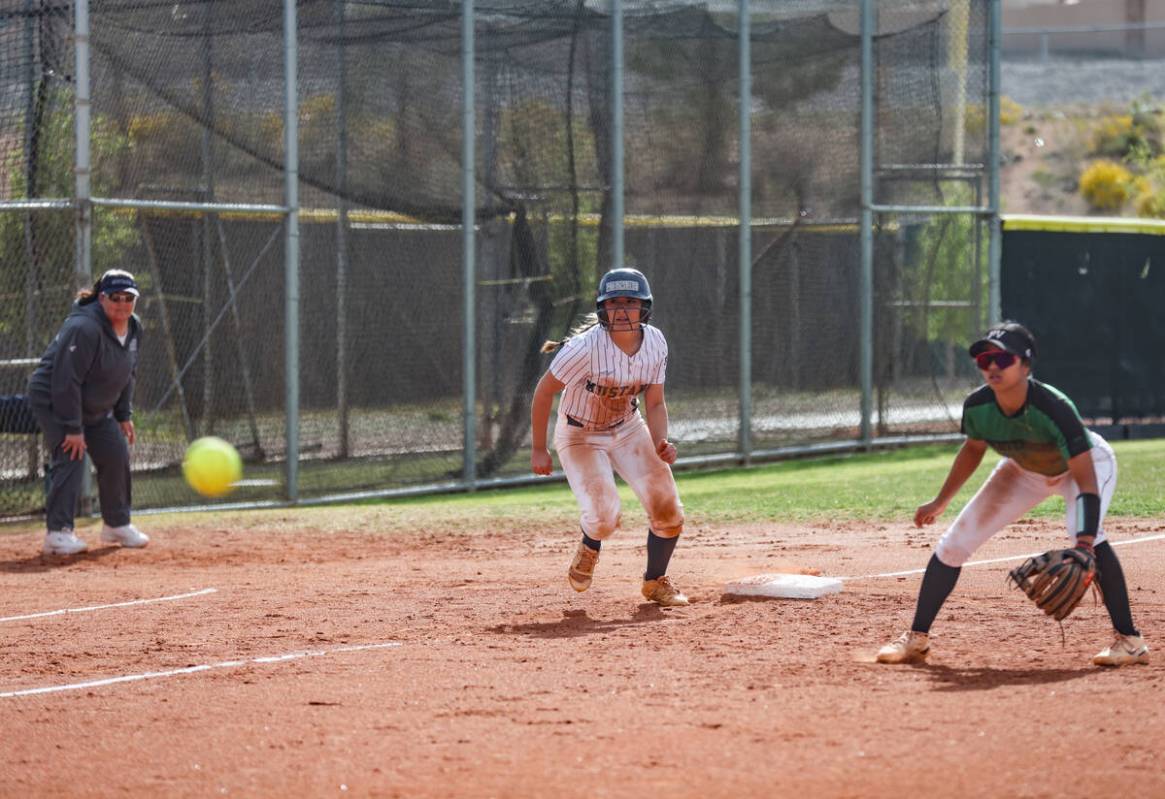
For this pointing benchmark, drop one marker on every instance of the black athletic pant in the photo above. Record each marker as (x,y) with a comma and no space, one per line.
(109,452)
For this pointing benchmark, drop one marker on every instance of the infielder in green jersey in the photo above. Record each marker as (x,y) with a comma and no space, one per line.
(1046,451)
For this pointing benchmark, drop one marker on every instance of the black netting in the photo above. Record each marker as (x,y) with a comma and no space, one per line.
(187,104)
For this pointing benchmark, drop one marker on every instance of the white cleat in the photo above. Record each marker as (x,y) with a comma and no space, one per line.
(63,542)
(126,535)
(910,647)
(1125,650)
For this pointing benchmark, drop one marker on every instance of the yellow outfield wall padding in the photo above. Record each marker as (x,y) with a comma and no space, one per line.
(1083,224)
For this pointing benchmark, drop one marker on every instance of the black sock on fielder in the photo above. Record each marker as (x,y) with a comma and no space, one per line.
(937,584)
(1115,590)
(593,543)
(658,554)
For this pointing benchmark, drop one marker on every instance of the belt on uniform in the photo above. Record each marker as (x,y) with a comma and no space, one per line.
(570,420)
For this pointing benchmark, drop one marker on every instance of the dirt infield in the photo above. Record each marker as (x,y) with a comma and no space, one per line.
(485,675)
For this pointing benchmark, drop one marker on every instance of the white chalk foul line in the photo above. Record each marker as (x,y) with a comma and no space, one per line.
(908,572)
(226,664)
(91,608)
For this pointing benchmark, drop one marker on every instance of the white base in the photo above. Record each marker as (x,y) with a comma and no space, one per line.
(784,586)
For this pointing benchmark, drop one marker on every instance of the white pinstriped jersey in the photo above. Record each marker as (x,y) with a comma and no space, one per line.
(603,382)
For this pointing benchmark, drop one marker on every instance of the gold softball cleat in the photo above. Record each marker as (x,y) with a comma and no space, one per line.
(662,592)
(582,568)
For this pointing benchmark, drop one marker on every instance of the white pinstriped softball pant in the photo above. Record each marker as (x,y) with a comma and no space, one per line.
(591,459)
(1010,492)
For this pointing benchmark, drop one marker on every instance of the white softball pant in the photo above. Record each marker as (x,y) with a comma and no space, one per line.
(590,460)
(1010,492)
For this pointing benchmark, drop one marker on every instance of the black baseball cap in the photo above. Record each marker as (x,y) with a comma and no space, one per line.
(118,280)
(1010,337)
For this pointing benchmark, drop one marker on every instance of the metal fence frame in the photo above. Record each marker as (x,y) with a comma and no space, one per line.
(1045,32)
(83,204)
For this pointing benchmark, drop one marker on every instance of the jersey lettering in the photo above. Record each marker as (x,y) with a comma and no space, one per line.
(613,391)
(603,382)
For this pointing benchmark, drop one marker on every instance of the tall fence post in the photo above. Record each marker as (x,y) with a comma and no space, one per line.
(291,239)
(342,401)
(745,245)
(866,155)
(995,241)
(31,314)
(82,167)
(617,133)
(468,241)
(83,245)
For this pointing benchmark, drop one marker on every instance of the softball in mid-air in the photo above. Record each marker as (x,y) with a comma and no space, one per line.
(212,466)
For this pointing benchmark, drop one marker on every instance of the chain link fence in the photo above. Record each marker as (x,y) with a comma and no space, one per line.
(187,108)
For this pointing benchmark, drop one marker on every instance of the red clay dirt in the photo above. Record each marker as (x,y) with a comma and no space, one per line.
(507,683)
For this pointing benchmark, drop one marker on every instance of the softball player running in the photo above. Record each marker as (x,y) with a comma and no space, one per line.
(1046,451)
(604,365)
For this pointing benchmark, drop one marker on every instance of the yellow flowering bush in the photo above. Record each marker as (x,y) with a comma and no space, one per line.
(1106,185)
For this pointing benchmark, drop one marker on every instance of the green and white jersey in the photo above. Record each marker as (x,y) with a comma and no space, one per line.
(1041,437)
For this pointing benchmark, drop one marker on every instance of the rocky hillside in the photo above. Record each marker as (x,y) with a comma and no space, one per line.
(1063,116)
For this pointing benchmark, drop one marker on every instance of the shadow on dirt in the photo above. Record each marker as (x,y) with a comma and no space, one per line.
(985,679)
(43,563)
(576,622)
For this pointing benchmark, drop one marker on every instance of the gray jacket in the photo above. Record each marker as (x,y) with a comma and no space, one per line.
(86,373)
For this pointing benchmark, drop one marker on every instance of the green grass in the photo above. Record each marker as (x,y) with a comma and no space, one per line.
(882,486)
(876,486)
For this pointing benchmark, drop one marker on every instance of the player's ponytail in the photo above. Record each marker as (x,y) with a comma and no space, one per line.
(588,321)
(87,296)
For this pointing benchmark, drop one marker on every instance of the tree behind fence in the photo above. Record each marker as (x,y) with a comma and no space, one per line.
(187,104)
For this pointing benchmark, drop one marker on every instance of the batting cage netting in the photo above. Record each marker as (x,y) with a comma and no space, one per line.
(187,106)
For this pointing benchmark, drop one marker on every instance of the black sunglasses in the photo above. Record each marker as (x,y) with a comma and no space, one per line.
(121,297)
(1001,359)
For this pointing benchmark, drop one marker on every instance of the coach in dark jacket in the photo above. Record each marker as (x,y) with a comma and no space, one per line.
(82,396)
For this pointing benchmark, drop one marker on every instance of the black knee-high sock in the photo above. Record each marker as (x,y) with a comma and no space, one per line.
(937,584)
(658,554)
(593,543)
(1116,592)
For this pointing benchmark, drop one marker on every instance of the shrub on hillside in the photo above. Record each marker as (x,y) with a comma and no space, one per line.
(1010,112)
(1121,135)
(1151,203)
(1106,185)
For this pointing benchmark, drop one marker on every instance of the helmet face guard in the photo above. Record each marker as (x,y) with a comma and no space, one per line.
(623,283)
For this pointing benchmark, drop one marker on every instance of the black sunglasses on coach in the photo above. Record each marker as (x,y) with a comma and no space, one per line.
(121,297)
(1001,359)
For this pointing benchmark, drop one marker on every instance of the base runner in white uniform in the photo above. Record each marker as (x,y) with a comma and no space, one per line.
(1046,450)
(604,366)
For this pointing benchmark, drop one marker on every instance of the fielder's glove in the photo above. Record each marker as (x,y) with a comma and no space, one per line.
(1057,580)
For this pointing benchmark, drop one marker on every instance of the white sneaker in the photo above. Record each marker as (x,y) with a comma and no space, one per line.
(63,542)
(1125,650)
(127,535)
(910,647)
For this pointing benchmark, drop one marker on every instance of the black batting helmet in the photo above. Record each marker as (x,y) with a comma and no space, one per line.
(623,283)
